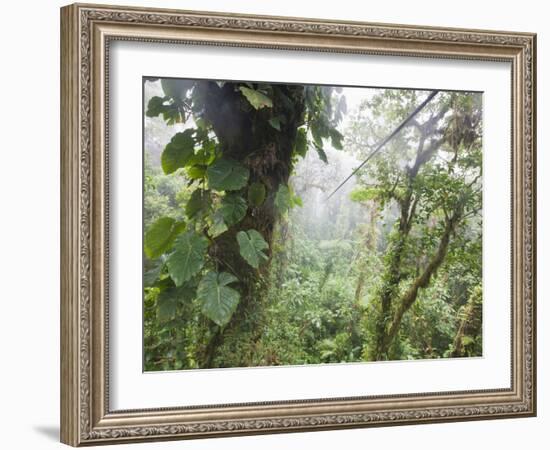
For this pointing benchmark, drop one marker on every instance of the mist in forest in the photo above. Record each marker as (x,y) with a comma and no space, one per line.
(385,266)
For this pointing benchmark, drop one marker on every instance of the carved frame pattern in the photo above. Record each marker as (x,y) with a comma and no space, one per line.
(86,33)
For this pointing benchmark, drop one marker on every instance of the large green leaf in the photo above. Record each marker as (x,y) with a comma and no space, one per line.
(218,300)
(233,209)
(300,146)
(283,199)
(155,106)
(160,236)
(256,194)
(200,200)
(187,258)
(227,175)
(161,105)
(178,152)
(251,247)
(336,138)
(256,98)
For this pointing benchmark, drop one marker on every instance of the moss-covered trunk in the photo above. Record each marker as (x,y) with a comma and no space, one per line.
(246,135)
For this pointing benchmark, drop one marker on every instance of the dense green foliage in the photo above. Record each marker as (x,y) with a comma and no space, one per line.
(246,263)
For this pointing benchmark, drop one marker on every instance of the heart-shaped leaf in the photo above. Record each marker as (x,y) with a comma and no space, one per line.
(227,175)
(233,209)
(218,300)
(256,194)
(177,153)
(160,236)
(252,246)
(187,258)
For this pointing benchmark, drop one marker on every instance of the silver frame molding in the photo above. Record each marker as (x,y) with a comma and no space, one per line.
(86,31)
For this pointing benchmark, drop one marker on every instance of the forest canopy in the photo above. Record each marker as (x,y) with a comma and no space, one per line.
(279,231)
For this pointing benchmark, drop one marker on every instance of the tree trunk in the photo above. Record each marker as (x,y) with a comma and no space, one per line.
(245,135)
(422,281)
(407,205)
(370,243)
(393,270)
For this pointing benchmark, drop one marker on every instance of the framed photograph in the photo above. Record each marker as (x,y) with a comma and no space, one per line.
(277,224)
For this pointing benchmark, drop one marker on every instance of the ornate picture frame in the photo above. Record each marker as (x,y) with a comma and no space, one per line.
(87,31)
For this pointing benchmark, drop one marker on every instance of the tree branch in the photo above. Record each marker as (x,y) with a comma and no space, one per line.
(423,279)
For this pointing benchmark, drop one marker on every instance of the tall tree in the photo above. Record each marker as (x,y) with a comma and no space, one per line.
(428,182)
(238,149)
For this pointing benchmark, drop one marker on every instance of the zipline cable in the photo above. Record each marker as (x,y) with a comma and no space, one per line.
(387,139)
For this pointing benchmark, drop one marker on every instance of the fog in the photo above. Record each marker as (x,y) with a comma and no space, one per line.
(313,180)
